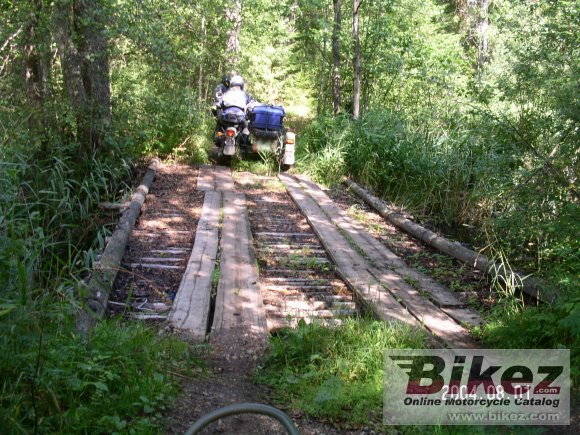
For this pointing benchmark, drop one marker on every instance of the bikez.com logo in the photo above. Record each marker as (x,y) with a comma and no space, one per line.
(426,376)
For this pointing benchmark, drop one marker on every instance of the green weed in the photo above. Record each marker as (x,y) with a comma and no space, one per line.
(335,372)
(55,381)
(51,379)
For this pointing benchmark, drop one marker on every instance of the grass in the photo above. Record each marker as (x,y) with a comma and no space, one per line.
(52,380)
(335,372)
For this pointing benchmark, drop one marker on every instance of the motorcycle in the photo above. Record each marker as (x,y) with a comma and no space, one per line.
(259,129)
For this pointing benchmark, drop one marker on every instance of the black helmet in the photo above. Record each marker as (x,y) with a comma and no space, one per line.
(226,81)
(237,80)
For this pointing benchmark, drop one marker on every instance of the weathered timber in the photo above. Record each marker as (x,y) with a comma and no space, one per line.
(282,235)
(173,251)
(205,179)
(435,320)
(351,266)
(286,247)
(159,232)
(191,306)
(528,285)
(301,260)
(239,305)
(464,316)
(377,253)
(423,310)
(217,178)
(116,206)
(161,259)
(153,266)
(297,286)
(95,295)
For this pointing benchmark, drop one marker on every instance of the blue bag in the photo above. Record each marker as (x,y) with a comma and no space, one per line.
(233,115)
(267,118)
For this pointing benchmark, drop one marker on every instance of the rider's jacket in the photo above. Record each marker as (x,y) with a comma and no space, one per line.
(233,104)
(235,98)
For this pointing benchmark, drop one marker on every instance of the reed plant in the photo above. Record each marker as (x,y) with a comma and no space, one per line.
(51,379)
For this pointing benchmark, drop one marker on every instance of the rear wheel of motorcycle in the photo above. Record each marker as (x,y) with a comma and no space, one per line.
(285,168)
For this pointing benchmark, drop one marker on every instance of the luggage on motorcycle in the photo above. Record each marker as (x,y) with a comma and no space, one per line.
(267,119)
(234,103)
(233,115)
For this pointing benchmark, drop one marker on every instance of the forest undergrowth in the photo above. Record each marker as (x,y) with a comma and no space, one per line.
(469,120)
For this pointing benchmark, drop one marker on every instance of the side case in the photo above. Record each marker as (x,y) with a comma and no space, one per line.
(267,118)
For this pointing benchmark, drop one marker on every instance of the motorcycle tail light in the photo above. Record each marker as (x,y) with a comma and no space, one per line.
(231,133)
(290,141)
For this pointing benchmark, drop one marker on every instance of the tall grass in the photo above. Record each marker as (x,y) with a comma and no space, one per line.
(335,372)
(477,170)
(52,380)
(463,172)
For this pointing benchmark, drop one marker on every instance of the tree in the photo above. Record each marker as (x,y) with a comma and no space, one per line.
(83,50)
(356,61)
(336,57)
(234,16)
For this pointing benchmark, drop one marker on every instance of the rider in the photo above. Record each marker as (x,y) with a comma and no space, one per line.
(221,89)
(234,103)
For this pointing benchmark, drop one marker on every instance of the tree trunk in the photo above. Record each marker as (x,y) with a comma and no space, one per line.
(200,78)
(356,36)
(320,106)
(33,71)
(83,49)
(482,28)
(95,296)
(474,23)
(234,16)
(336,57)
(496,270)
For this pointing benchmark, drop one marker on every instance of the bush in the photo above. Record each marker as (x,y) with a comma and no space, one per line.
(55,381)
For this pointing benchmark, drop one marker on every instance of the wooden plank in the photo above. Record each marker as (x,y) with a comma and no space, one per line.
(295,280)
(190,309)
(205,178)
(223,180)
(281,235)
(296,286)
(464,316)
(161,259)
(286,247)
(435,320)
(376,252)
(173,251)
(391,271)
(153,266)
(351,266)
(239,304)
(300,260)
